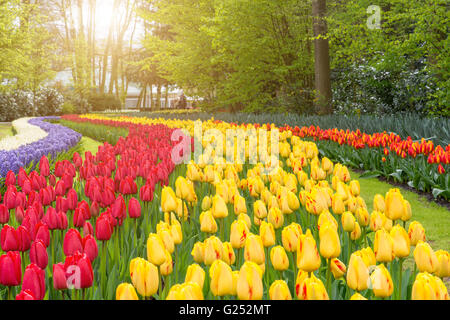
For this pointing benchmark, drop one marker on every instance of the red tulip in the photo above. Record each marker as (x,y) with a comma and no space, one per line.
(44,167)
(25,239)
(134,208)
(10,240)
(61,204)
(10,269)
(441,169)
(9,198)
(59,277)
(72,199)
(119,209)
(52,180)
(79,217)
(60,188)
(146,193)
(79,271)
(51,218)
(21,199)
(45,196)
(68,181)
(63,223)
(19,213)
(26,187)
(25,295)
(10,179)
(103,228)
(90,247)
(4,214)
(95,210)
(72,242)
(88,229)
(34,280)
(77,160)
(38,254)
(22,177)
(42,233)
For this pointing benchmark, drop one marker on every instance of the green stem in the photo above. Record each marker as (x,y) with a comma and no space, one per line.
(329,276)
(9,293)
(103,268)
(400,279)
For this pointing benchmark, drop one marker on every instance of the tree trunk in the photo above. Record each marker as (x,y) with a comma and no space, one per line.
(158,97)
(152,103)
(166,97)
(322,58)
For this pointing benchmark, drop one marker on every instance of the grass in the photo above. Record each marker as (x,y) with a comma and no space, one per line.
(434,218)
(89,145)
(5,130)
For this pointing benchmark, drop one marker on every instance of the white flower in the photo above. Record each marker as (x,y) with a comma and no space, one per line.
(26,134)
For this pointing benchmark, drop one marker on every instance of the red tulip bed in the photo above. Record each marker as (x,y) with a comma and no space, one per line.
(48,219)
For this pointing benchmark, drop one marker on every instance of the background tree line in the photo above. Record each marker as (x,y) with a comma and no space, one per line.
(257,56)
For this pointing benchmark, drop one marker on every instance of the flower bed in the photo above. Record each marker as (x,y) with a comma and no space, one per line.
(56,140)
(200,231)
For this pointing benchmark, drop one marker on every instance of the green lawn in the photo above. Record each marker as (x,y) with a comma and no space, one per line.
(5,130)
(89,145)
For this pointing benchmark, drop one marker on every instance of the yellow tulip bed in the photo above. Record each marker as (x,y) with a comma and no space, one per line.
(235,231)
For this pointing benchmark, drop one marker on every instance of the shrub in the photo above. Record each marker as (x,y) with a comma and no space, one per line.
(48,102)
(104,101)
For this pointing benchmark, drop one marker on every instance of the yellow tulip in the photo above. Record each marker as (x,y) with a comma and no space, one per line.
(327,165)
(377,220)
(259,209)
(213,250)
(362,215)
(235,275)
(198,252)
(301,276)
(394,204)
(249,284)
(330,245)
(267,234)
(357,274)
(228,255)
(193,173)
(275,217)
(238,233)
(338,268)
(273,203)
(356,233)
(185,291)
(219,207)
(144,276)
(293,201)
(313,289)
(355,188)
(182,210)
(195,273)
(125,291)
(166,237)
(357,296)
(326,217)
(167,267)
(168,200)
(443,267)
(221,278)
(381,280)
(367,255)
(290,235)
(348,221)
(428,287)
(254,249)
(378,203)
(401,241)
(206,203)
(425,257)
(181,188)
(155,250)
(407,213)
(416,233)
(383,246)
(352,204)
(279,258)
(308,258)
(176,232)
(239,205)
(279,291)
(207,222)
(244,217)
(337,203)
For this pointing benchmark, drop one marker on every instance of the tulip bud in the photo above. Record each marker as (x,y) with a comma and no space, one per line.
(279,291)
(279,258)
(59,277)
(362,215)
(308,258)
(348,221)
(338,268)
(213,250)
(168,200)
(357,273)
(425,257)
(401,241)
(254,249)
(219,207)
(195,273)
(290,235)
(167,267)
(10,269)
(354,188)
(228,255)
(125,291)
(34,280)
(206,203)
(428,287)
(72,242)
(313,289)
(144,276)
(239,205)
(381,280)
(207,222)
(259,209)
(383,246)
(275,217)
(356,233)
(198,252)
(330,245)
(407,213)
(134,208)
(267,234)
(221,278)
(155,250)
(443,267)
(416,233)
(357,296)
(394,204)
(378,203)
(249,284)
(377,220)
(38,254)
(337,203)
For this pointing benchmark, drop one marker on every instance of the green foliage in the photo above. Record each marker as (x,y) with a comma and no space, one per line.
(98,132)
(104,101)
